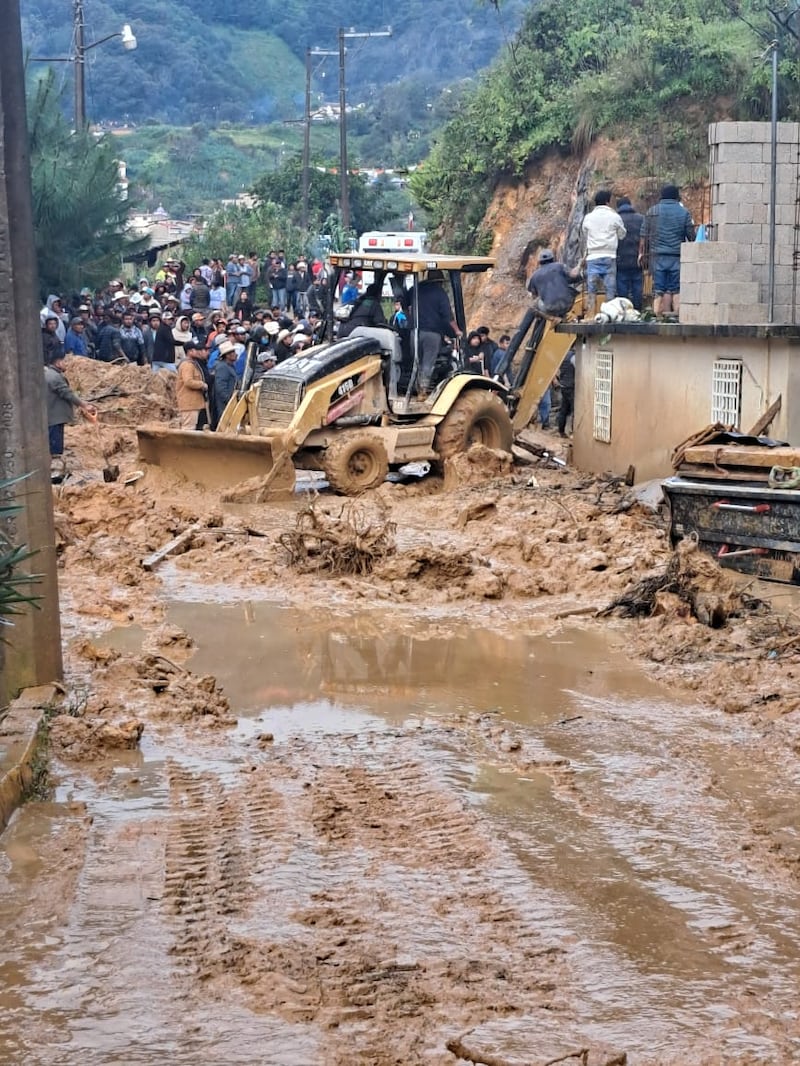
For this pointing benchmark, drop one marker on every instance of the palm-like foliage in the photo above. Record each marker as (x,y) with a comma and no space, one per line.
(15,585)
(80,219)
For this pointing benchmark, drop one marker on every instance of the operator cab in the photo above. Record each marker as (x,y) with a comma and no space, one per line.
(407,353)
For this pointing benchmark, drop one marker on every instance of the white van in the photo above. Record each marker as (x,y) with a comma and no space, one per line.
(378,242)
(386,243)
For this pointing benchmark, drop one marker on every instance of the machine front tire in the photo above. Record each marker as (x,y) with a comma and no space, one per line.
(476,417)
(355,463)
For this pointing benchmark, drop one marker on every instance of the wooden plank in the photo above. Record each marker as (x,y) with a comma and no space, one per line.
(715,473)
(151,561)
(741,455)
(767,418)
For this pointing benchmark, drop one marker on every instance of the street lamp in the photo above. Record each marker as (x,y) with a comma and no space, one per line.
(79,58)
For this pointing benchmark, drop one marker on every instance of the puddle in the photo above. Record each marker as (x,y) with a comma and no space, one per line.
(384,811)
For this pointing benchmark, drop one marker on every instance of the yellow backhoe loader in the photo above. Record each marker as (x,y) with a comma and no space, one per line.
(351,408)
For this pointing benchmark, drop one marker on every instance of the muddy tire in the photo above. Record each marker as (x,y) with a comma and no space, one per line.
(355,463)
(476,417)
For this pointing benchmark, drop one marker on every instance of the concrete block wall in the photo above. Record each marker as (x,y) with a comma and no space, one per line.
(717,285)
(740,154)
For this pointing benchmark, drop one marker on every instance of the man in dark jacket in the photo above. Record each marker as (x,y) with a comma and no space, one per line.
(436,321)
(164,344)
(52,348)
(367,311)
(667,225)
(566,381)
(109,345)
(131,340)
(552,286)
(629,268)
(61,402)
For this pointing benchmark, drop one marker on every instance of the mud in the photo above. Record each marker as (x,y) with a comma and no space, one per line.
(360,815)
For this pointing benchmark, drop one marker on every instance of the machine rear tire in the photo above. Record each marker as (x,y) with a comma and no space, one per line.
(355,463)
(476,417)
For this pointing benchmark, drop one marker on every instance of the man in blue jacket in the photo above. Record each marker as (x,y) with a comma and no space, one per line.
(666,226)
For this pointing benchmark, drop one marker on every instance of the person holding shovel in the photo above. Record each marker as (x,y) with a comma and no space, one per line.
(192,389)
(62,403)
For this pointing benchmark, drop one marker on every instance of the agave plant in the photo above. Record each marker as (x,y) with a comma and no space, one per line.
(15,584)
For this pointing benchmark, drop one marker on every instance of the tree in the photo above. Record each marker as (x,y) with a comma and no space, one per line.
(244,230)
(283,187)
(80,220)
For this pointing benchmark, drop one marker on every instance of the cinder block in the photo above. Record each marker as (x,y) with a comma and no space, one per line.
(760,213)
(747,314)
(786,214)
(752,192)
(752,132)
(758,255)
(731,292)
(708,252)
(788,133)
(759,172)
(726,131)
(693,315)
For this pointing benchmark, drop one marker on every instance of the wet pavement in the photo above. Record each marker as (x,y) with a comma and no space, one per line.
(451,829)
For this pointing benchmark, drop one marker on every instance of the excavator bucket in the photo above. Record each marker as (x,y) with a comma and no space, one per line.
(220,460)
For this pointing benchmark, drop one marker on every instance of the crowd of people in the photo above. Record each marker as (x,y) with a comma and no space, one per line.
(199,327)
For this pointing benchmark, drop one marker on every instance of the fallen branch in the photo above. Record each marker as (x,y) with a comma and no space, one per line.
(351,542)
(461,1051)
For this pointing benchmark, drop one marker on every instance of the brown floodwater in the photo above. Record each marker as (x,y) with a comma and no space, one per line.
(629,832)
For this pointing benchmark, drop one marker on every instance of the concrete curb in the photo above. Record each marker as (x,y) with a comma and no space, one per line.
(18,731)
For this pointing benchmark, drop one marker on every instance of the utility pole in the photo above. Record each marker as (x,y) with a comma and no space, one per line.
(310,52)
(79,28)
(78,59)
(344,183)
(32,654)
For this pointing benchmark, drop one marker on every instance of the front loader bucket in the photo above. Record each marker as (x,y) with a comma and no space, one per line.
(219,460)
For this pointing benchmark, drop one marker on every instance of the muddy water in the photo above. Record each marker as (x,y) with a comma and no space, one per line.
(533,841)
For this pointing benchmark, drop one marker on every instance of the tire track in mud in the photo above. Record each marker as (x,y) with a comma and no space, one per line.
(358,894)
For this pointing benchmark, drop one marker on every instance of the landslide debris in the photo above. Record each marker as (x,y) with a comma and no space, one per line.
(691,582)
(352,541)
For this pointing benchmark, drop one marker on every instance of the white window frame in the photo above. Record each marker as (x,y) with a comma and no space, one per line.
(726,391)
(603,388)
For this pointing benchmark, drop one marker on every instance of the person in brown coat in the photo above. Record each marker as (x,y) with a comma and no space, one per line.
(191,388)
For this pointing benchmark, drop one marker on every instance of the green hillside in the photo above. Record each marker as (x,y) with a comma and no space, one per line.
(245,63)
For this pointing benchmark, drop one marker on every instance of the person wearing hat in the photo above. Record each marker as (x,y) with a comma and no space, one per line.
(191,389)
(199,328)
(62,403)
(75,342)
(226,380)
(551,285)
(436,321)
(283,345)
(90,330)
(164,343)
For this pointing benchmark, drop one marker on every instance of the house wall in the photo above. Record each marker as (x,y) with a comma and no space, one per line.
(661,393)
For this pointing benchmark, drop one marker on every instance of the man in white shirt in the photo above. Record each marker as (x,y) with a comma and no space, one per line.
(602,231)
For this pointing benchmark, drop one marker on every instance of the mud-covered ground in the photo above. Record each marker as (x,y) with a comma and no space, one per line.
(426,865)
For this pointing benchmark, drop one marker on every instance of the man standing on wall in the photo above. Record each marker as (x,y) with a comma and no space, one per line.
(602,229)
(666,226)
(629,268)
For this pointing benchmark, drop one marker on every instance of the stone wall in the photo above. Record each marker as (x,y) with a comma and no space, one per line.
(725,280)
